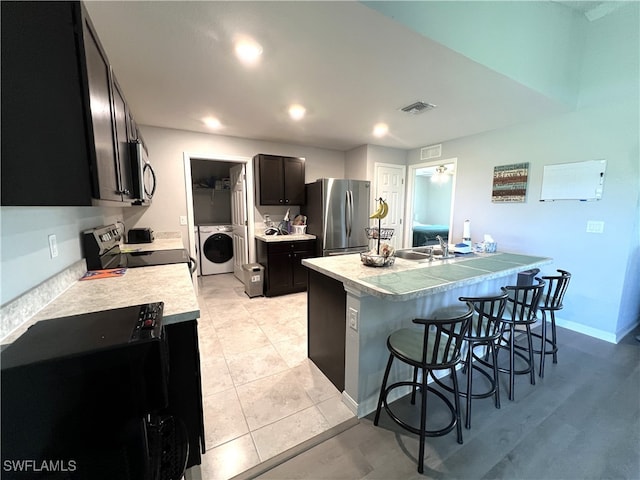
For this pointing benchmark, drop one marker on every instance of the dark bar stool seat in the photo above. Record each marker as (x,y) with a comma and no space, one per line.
(435,346)
(551,302)
(520,313)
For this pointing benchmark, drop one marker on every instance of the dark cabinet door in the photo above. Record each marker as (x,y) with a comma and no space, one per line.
(299,272)
(122,128)
(294,193)
(99,83)
(63,120)
(284,272)
(279,273)
(280,180)
(45,154)
(271,177)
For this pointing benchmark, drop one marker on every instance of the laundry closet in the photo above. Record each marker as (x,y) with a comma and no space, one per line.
(212,215)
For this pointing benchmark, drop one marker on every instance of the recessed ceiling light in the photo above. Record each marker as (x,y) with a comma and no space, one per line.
(380,129)
(248,51)
(297,112)
(212,122)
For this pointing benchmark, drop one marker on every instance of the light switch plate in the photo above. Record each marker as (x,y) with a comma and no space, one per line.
(353,319)
(595,226)
(183,220)
(53,246)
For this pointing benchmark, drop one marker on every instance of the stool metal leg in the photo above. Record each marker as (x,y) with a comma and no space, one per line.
(456,399)
(423,422)
(413,388)
(532,365)
(543,343)
(382,389)
(554,340)
(469,367)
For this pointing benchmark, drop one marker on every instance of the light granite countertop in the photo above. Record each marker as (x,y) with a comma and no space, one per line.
(157,244)
(284,238)
(407,280)
(66,295)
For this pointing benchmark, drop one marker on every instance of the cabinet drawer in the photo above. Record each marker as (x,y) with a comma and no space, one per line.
(294,245)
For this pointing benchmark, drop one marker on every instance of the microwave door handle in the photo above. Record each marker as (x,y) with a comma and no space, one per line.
(153,178)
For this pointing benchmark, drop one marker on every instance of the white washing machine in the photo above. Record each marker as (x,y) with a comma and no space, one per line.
(216,249)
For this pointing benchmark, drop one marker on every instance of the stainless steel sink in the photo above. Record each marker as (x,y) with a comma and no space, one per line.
(422,254)
(412,255)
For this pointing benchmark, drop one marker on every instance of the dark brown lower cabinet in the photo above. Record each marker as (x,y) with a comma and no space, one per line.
(326,326)
(283,270)
(185,387)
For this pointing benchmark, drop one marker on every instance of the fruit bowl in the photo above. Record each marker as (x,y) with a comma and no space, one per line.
(372,260)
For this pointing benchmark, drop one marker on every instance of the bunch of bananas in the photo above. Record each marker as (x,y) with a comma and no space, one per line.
(382,210)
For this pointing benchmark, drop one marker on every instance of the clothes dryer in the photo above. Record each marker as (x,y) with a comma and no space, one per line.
(216,249)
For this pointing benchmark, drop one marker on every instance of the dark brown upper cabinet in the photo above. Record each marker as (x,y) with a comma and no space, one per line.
(65,121)
(279,180)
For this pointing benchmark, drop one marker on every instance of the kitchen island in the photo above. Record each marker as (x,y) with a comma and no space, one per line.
(353,308)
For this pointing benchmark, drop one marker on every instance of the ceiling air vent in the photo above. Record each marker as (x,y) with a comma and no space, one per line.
(418,107)
(432,151)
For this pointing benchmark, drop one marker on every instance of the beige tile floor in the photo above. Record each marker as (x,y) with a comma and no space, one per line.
(261,393)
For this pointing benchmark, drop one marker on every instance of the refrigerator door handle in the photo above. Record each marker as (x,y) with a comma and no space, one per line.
(347,214)
(350,213)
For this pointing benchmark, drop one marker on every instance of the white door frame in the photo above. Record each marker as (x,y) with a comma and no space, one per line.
(408,234)
(187,156)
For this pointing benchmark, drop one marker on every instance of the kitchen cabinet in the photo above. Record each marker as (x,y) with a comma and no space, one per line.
(65,121)
(185,385)
(283,270)
(280,180)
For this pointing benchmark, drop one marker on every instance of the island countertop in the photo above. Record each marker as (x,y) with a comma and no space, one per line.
(407,280)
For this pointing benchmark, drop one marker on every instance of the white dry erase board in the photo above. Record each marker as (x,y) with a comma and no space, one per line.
(573,181)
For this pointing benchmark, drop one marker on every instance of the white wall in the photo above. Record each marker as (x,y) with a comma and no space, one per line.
(166,150)
(603,295)
(355,164)
(25,259)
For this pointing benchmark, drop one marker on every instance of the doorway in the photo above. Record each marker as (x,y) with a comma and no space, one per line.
(208,183)
(390,186)
(430,195)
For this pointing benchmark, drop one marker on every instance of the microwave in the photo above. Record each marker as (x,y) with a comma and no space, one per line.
(142,174)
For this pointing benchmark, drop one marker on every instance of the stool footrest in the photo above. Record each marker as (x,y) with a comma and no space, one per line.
(411,428)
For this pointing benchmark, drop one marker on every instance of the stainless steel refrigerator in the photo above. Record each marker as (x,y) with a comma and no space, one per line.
(337,213)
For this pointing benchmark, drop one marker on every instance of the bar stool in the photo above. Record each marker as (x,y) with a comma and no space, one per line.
(551,302)
(520,311)
(484,331)
(436,346)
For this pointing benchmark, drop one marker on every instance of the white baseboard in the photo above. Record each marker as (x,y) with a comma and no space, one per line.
(592,332)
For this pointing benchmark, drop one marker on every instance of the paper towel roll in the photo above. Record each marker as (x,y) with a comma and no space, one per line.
(466,231)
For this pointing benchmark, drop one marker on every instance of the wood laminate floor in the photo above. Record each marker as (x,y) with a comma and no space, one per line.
(582,421)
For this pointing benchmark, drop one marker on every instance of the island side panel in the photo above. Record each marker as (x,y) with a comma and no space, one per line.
(326,307)
(366,349)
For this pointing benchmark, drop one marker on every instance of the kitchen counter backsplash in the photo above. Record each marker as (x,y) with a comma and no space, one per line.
(16,312)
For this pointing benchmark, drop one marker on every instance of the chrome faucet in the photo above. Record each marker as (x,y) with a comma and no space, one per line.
(443,245)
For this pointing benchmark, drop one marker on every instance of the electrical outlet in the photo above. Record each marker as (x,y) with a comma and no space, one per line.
(594,226)
(183,220)
(53,246)
(353,319)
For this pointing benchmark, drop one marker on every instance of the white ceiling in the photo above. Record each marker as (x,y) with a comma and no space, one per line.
(348,65)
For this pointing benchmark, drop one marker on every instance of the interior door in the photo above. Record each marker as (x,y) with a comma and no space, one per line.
(239,218)
(390,181)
